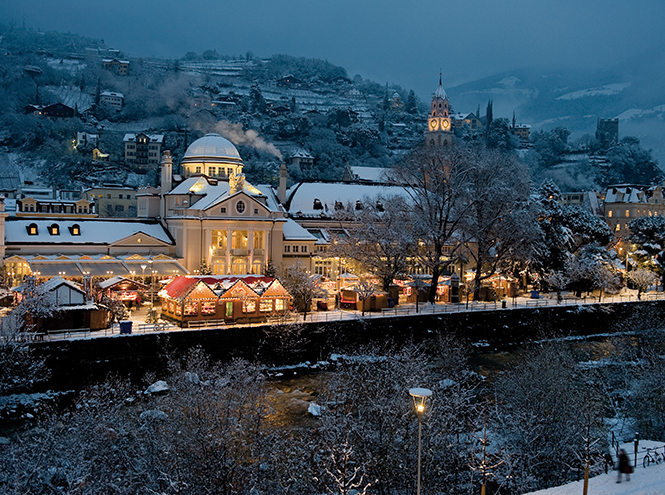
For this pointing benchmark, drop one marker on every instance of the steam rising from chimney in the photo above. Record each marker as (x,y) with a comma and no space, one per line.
(236,134)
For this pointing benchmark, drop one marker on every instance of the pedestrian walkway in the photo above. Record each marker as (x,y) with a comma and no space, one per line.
(140,327)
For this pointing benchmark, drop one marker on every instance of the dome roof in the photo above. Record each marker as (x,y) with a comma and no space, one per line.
(211,146)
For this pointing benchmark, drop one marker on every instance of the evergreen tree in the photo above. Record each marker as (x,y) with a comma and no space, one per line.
(488,118)
(412,103)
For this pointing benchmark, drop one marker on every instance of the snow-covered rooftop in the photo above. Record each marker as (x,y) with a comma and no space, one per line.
(213,191)
(630,193)
(91,231)
(154,138)
(294,232)
(328,194)
(372,174)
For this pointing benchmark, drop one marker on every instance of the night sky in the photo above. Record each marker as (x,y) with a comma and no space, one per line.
(406,43)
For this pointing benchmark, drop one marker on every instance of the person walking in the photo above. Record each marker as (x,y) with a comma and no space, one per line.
(624,465)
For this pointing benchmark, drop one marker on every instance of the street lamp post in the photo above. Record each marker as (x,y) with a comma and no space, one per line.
(419,395)
(152,287)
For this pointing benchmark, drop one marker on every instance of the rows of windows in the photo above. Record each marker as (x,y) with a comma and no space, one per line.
(611,214)
(295,248)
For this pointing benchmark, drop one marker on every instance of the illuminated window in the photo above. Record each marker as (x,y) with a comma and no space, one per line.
(208,307)
(75,229)
(249,306)
(618,228)
(265,306)
(32,229)
(627,213)
(54,229)
(191,309)
(280,304)
(258,240)
(609,214)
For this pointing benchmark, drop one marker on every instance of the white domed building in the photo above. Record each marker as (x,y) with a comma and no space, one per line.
(218,219)
(213,156)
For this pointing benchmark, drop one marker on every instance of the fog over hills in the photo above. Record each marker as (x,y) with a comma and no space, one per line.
(630,90)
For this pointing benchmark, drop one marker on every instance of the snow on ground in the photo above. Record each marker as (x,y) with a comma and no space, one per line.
(636,113)
(72,96)
(644,481)
(609,90)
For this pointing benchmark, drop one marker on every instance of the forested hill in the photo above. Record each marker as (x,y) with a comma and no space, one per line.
(294,103)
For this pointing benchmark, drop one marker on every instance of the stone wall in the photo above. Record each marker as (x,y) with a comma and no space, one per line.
(79,362)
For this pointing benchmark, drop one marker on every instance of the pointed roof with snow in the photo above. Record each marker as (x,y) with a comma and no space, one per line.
(440,92)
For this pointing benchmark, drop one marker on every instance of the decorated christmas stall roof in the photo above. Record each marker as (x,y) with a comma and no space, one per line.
(221,285)
(180,287)
(294,232)
(91,231)
(329,193)
(119,280)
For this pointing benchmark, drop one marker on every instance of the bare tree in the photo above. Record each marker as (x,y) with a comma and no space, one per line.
(642,279)
(378,238)
(365,289)
(436,183)
(497,223)
(558,280)
(303,287)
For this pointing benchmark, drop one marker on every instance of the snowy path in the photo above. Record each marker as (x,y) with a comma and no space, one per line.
(649,481)
(644,481)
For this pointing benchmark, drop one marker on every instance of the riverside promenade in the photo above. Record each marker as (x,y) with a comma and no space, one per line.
(139,327)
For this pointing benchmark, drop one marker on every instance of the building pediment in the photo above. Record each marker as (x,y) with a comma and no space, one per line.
(238,205)
(139,239)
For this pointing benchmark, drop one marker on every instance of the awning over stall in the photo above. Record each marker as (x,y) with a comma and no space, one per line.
(160,267)
(101,268)
(55,268)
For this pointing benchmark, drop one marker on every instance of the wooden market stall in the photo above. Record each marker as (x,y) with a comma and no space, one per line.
(123,289)
(225,298)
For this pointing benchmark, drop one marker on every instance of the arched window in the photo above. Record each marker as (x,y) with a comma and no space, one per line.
(54,229)
(32,229)
(75,229)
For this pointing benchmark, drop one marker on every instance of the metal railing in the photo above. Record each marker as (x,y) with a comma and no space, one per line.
(347,315)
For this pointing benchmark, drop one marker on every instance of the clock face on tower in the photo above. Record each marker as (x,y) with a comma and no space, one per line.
(433,124)
(445,124)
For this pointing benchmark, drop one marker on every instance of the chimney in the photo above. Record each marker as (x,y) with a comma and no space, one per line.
(281,190)
(167,172)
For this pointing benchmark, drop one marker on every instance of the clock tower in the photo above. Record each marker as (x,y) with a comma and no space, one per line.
(439,126)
